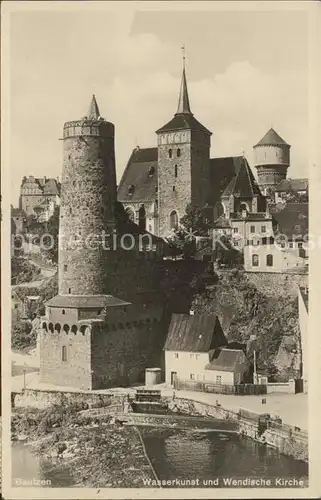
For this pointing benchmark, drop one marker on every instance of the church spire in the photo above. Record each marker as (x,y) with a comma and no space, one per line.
(93,112)
(183,101)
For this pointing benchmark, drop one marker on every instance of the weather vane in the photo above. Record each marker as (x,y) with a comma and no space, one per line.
(184,55)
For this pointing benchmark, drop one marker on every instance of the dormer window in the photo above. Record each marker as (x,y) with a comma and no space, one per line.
(131,188)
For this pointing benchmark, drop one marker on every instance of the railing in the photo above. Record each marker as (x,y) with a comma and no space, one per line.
(237,389)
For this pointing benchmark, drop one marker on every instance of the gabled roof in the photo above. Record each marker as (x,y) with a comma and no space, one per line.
(194,333)
(242,183)
(293,220)
(85,301)
(226,360)
(51,187)
(271,138)
(292,185)
(183,121)
(139,180)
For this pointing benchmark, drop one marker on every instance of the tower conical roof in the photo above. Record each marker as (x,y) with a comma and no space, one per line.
(271,138)
(183,101)
(93,112)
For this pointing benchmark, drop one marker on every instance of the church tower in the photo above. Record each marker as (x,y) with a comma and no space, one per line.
(183,163)
(272,160)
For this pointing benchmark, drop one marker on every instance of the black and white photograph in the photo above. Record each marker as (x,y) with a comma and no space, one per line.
(156,297)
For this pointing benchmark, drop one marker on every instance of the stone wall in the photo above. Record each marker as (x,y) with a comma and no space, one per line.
(280,284)
(120,357)
(44,399)
(76,371)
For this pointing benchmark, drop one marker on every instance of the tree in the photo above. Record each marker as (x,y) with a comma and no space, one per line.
(50,240)
(193,223)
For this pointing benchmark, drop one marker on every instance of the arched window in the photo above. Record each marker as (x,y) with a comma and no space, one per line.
(131,214)
(58,327)
(142,217)
(66,328)
(175,170)
(51,327)
(74,329)
(173,219)
(269,260)
(255,260)
(63,311)
(178,152)
(170,152)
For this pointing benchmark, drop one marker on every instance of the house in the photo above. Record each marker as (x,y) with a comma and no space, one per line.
(190,340)
(227,366)
(34,191)
(291,189)
(287,250)
(303,299)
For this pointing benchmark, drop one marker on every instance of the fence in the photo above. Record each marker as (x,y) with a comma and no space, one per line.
(238,389)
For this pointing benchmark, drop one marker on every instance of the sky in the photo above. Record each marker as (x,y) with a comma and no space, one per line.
(246,71)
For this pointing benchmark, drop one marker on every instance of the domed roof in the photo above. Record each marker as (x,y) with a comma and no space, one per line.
(271,138)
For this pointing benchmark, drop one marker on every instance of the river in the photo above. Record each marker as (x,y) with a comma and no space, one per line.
(177,454)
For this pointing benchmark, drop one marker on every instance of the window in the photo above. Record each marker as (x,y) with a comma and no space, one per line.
(300,245)
(236,243)
(218,379)
(263,229)
(269,260)
(176,355)
(63,311)
(255,260)
(65,267)
(170,152)
(16,306)
(70,210)
(64,353)
(173,188)
(175,170)
(290,245)
(69,290)
(235,229)
(173,219)
(191,356)
(252,229)
(197,356)
(192,376)
(178,152)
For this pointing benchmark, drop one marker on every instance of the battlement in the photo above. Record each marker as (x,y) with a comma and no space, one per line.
(88,128)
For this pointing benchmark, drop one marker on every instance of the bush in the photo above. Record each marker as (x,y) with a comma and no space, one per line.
(22,335)
(23,271)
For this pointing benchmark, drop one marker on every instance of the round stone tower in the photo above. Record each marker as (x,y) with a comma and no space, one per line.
(88,197)
(272,160)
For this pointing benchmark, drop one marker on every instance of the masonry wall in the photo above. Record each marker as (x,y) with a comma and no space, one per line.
(76,371)
(120,357)
(88,198)
(285,284)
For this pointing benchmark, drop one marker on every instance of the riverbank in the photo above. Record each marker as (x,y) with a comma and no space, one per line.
(96,452)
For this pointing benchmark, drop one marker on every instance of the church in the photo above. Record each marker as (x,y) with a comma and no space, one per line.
(159,182)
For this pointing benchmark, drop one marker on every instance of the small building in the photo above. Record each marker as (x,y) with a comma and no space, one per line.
(227,367)
(287,250)
(17,306)
(303,299)
(190,340)
(34,191)
(291,190)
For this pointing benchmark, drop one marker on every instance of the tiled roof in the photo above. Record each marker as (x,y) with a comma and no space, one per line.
(194,333)
(292,185)
(226,360)
(183,121)
(251,216)
(139,180)
(243,183)
(271,138)
(16,212)
(51,187)
(85,301)
(293,220)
